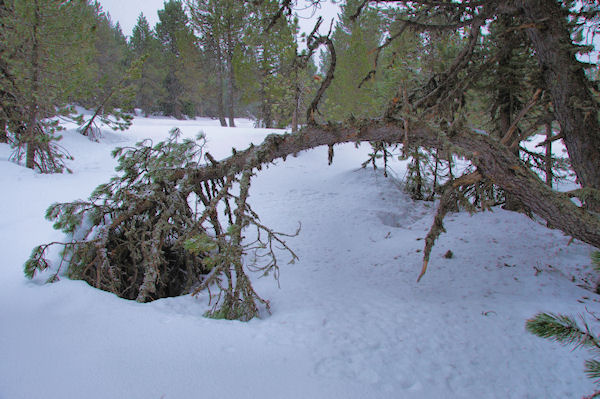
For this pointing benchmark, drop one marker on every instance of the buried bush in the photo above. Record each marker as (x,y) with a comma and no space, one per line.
(154,231)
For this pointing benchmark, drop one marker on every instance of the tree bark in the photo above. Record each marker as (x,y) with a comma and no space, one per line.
(220,104)
(3,135)
(265,105)
(493,160)
(231,80)
(548,156)
(32,120)
(574,106)
(297,92)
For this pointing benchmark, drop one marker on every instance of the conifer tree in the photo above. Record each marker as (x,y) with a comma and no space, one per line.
(354,40)
(175,37)
(7,99)
(111,61)
(265,69)
(219,24)
(149,90)
(50,48)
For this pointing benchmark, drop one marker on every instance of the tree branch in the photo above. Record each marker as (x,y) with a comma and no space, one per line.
(493,160)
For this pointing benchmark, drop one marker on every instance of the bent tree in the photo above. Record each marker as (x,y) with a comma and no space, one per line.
(136,243)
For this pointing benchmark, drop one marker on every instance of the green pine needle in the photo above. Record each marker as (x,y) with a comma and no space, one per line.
(559,328)
(592,369)
(596,260)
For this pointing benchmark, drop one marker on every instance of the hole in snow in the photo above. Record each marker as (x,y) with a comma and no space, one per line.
(390,219)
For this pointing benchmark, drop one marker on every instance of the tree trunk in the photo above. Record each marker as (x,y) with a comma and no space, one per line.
(295,118)
(493,160)
(32,120)
(265,106)
(30,139)
(4,76)
(3,134)
(231,80)
(574,106)
(220,106)
(548,156)
(297,92)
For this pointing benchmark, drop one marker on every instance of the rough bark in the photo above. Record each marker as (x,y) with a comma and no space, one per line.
(574,107)
(267,119)
(3,135)
(220,103)
(493,160)
(297,93)
(32,120)
(548,156)
(231,80)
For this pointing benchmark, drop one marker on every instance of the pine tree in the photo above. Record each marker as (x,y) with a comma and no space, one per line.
(149,90)
(219,24)
(111,60)
(176,38)
(355,41)
(8,106)
(265,69)
(50,48)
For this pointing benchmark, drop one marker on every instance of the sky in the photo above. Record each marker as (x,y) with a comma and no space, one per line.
(126,12)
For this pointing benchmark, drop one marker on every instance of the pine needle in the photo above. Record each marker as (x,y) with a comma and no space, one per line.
(560,328)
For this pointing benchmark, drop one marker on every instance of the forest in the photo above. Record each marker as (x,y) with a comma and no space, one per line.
(457,89)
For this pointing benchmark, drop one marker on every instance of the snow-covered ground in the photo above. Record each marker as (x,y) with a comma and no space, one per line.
(349,319)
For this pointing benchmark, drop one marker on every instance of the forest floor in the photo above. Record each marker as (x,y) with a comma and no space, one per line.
(348,319)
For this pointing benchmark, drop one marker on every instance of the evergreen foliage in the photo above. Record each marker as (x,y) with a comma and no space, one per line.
(46,62)
(567,331)
(220,25)
(355,41)
(265,66)
(178,44)
(153,232)
(148,86)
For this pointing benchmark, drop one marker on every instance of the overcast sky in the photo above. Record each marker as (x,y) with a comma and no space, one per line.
(126,12)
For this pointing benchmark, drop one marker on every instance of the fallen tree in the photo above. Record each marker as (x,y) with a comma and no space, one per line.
(177,211)
(493,160)
(145,242)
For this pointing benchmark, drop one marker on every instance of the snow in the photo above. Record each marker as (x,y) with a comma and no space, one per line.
(348,320)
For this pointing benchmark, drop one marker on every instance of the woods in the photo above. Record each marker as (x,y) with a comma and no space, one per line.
(432,82)
(201,59)
(433,179)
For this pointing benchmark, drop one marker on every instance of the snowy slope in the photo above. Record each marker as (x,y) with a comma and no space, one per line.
(349,319)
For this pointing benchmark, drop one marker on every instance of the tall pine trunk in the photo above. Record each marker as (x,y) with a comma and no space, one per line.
(548,155)
(32,120)
(231,80)
(265,105)
(3,77)
(297,92)
(220,104)
(3,134)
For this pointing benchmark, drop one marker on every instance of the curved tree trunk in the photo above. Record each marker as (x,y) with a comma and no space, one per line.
(493,160)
